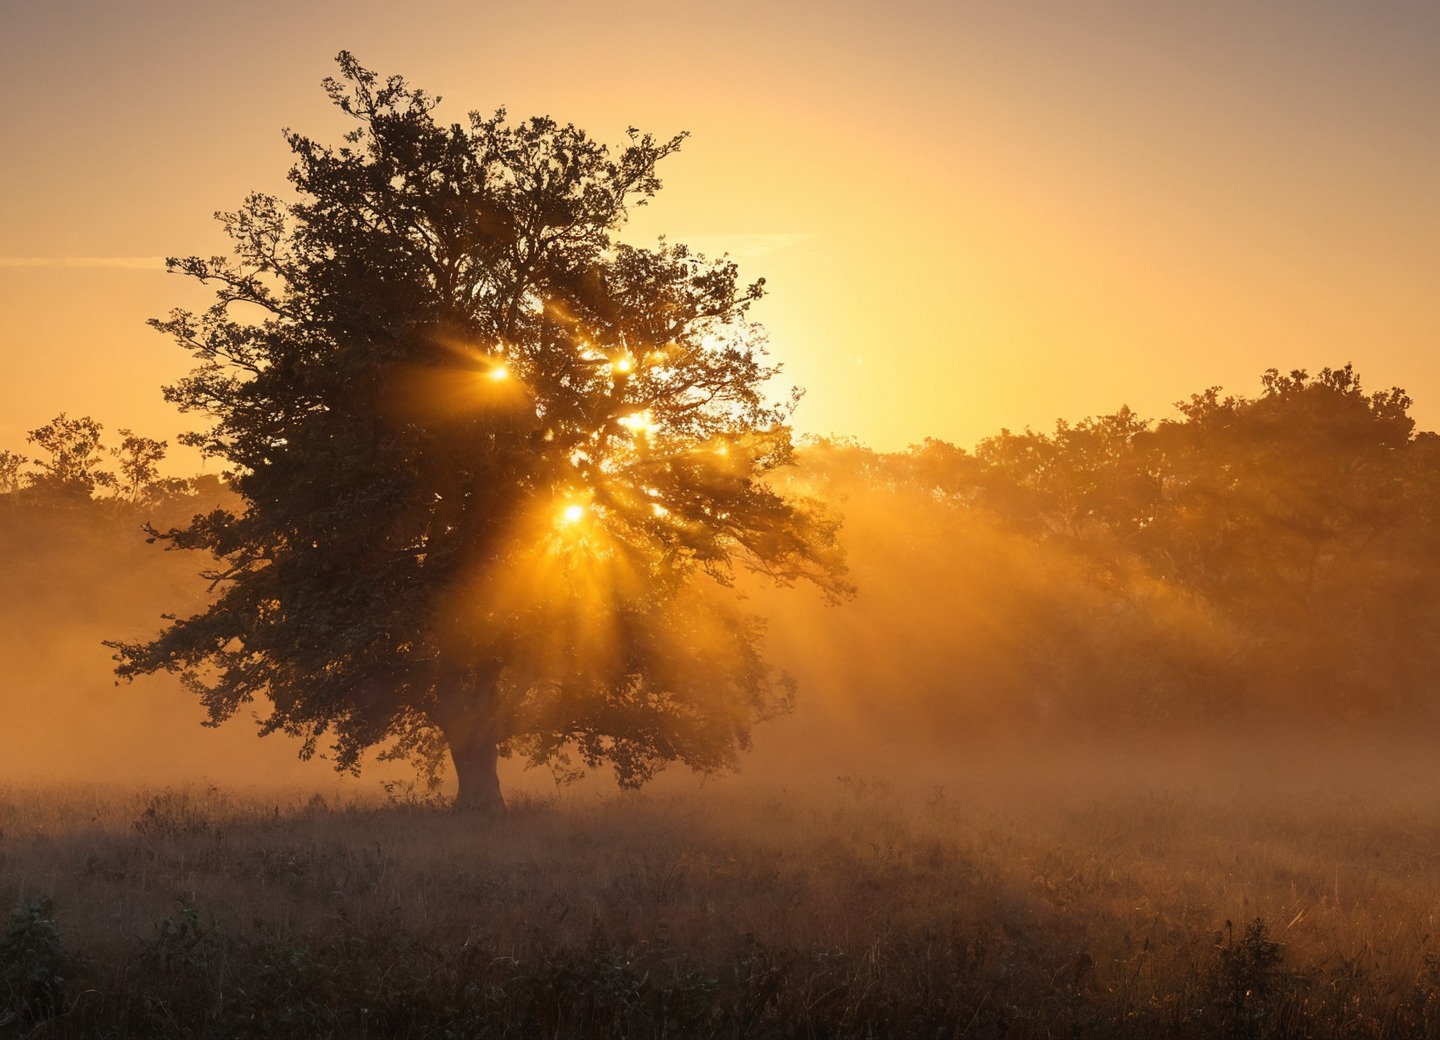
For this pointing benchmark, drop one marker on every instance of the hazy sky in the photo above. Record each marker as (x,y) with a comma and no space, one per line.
(969,215)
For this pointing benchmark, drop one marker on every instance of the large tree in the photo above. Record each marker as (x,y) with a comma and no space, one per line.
(496,466)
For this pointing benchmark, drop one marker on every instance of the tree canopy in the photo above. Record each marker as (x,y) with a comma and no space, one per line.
(494,463)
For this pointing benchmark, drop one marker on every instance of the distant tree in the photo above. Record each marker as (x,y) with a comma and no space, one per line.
(1277,484)
(73,467)
(73,459)
(487,454)
(1296,513)
(1092,476)
(139,480)
(11,477)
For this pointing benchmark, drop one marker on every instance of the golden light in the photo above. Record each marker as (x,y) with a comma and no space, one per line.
(623,364)
(499,373)
(565,571)
(639,422)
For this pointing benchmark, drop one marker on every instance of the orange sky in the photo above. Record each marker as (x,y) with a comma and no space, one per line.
(970,215)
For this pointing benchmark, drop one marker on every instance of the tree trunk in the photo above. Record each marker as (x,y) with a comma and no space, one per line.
(476,759)
(467,718)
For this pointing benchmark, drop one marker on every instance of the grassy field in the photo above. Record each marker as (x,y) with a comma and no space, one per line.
(1197,890)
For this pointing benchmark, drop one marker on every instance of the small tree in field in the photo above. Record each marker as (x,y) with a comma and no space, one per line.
(494,464)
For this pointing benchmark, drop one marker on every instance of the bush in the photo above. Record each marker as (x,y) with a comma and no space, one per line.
(34,966)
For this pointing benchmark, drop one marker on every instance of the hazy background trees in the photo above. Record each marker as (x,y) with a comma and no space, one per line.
(76,568)
(1266,558)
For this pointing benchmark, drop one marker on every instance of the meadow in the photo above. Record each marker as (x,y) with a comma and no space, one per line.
(1210,887)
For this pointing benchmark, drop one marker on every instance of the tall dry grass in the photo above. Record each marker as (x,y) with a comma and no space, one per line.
(1122,892)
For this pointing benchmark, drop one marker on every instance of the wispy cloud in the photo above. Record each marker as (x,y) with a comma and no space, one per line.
(124,263)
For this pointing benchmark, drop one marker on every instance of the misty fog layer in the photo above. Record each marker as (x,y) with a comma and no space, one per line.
(1256,565)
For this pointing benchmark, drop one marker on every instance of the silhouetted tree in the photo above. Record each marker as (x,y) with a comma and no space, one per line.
(73,457)
(72,468)
(139,479)
(486,453)
(11,477)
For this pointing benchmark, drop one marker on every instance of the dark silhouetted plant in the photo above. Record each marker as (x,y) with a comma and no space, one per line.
(33,966)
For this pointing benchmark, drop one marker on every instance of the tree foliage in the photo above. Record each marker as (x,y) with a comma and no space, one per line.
(488,454)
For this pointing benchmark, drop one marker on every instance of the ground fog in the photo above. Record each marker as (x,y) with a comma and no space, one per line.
(1246,887)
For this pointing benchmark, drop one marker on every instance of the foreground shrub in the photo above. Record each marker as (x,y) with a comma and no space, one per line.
(34,966)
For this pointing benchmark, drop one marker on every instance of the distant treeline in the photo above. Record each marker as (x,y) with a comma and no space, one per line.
(1276,556)
(71,463)
(75,566)
(1273,558)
